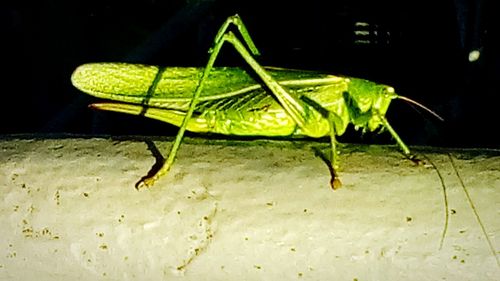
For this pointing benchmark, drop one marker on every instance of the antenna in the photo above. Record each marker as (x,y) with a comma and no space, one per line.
(421,106)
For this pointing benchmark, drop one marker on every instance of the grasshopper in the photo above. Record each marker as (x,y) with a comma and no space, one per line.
(269,102)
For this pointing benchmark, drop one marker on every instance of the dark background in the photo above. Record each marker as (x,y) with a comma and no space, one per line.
(419,47)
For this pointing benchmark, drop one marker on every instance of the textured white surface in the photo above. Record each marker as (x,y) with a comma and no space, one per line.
(257,211)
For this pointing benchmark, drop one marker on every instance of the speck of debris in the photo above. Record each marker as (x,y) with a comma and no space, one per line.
(103,247)
(409,219)
(257,266)
(12,255)
(57,196)
(300,274)
(56,147)
(453,211)
(85,194)
(28,232)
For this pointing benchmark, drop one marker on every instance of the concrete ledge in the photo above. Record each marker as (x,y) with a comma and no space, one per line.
(254,210)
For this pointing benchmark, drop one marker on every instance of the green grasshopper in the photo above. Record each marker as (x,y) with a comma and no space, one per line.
(228,100)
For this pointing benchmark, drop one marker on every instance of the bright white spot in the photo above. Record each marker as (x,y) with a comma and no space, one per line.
(281,115)
(474,55)
(151,225)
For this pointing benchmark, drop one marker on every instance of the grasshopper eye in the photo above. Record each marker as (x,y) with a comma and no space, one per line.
(389,92)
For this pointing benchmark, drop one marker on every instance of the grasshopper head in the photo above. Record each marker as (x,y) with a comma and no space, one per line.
(367,102)
(383,98)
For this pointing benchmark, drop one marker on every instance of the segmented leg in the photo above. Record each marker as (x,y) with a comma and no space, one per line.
(294,107)
(399,141)
(214,51)
(335,181)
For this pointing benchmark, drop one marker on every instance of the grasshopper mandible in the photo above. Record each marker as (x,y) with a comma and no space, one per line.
(229,101)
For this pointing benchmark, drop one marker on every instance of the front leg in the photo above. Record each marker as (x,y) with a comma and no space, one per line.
(399,141)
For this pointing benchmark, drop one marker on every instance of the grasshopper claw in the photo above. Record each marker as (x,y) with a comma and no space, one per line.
(145,182)
(335,183)
(416,161)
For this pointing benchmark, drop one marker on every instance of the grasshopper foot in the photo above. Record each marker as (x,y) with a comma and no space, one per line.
(145,182)
(335,183)
(415,160)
